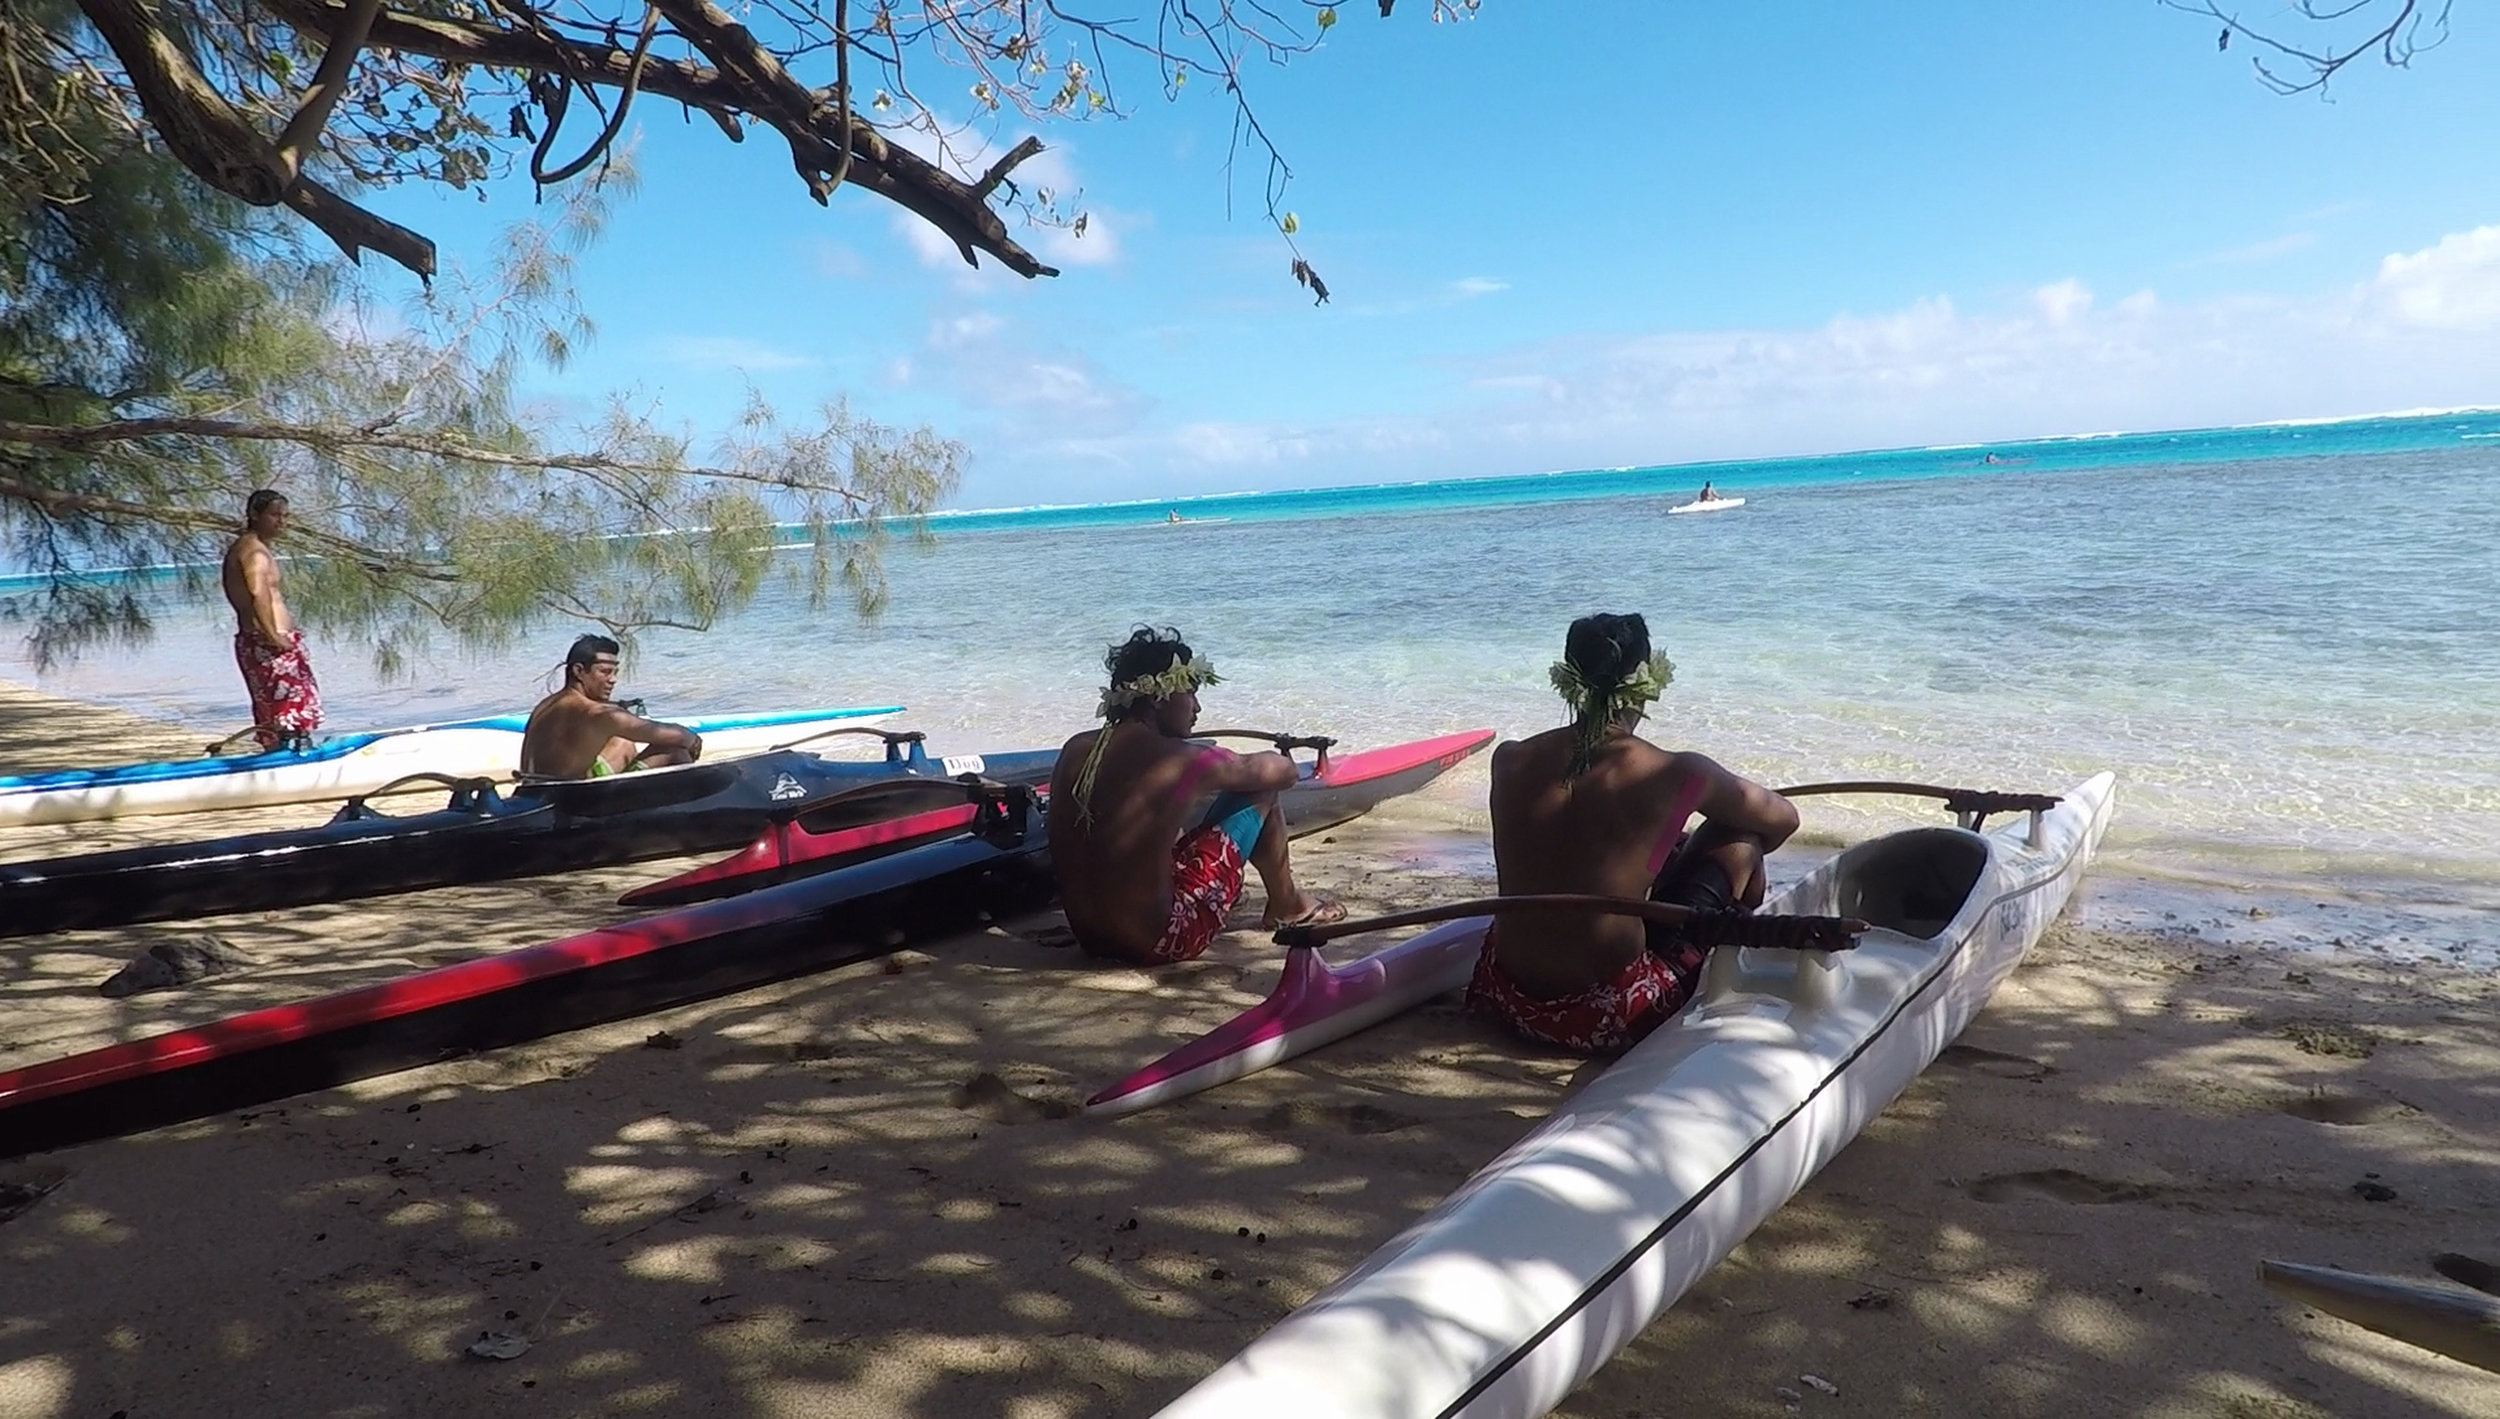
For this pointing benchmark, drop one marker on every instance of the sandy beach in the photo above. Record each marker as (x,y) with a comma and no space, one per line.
(863,1192)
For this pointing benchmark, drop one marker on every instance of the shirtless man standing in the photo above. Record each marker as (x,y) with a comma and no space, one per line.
(286,704)
(577,733)
(1592,807)
(1144,877)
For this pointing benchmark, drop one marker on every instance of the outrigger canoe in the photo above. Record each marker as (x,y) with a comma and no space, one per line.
(1537,1270)
(345,765)
(1335,790)
(2456,1322)
(480,835)
(996,864)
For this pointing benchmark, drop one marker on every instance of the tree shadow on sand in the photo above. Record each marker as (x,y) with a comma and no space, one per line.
(864,1192)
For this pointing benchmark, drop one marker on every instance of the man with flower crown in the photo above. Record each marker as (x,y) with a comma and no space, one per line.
(1145,873)
(1594,808)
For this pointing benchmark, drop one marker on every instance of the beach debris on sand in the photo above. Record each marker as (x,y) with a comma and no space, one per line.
(497,1345)
(988,1096)
(19,1194)
(172,963)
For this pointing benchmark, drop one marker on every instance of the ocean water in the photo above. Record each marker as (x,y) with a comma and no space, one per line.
(2286,641)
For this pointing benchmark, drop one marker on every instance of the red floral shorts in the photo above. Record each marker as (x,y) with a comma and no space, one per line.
(1206,883)
(280,679)
(1604,1019)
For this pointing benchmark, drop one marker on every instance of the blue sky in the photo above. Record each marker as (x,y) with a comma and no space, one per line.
(1604,233)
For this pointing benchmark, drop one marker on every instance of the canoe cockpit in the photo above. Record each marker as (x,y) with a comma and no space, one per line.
(1911,882)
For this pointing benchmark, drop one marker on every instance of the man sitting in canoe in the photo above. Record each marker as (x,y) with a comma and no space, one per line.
(578,733)
(1143,877)
(1594,808)
(1709,494)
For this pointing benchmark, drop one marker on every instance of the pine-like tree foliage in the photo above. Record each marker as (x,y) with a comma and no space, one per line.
(165,349)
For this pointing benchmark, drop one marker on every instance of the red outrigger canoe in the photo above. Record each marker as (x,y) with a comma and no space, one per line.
(874,890)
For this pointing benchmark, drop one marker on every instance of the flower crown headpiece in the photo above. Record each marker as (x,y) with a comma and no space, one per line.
(1592,709)
(1178,678)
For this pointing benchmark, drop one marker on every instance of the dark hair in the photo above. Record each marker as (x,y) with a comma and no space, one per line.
(1147,651)
(587,650)
(1606,649)
(260,501)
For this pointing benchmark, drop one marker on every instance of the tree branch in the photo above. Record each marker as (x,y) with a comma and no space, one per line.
(57,503)
(329,81)
(748,82)
(334,439)
(211,138)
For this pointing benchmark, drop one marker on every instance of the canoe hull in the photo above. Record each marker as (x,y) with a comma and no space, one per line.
(812,924)
(1353,784)
(1552,1258)
(609,974)
(480,837)
(2450,1320)
(346,765)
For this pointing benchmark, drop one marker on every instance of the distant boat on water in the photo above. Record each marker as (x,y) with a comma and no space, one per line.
(1707,505)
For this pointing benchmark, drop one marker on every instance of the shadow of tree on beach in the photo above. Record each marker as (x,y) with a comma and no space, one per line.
(861,1193)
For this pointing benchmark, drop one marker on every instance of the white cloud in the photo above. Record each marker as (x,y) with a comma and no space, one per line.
(1027,391)
(2055,360)
(2452,286)
(1478,286)
(727,352)
(2063,301)
(837,262)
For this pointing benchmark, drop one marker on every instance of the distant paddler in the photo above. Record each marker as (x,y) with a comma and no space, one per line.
(1709,493)
(268,646)
(580,732)
(1145,875)
(1594,808)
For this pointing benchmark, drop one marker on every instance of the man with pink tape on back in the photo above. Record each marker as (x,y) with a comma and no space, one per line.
(1145,875)
(1594,808)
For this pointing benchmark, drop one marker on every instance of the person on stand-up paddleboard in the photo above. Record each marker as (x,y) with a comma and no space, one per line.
(268,648)
(579,732)
(1145,877)
(1594,808)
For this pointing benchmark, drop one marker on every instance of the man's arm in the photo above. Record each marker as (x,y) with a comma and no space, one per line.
(1250,773)
(1733,801)
(621,723)
(260,580)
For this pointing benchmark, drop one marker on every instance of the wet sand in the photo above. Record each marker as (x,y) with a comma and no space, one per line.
(861,1193)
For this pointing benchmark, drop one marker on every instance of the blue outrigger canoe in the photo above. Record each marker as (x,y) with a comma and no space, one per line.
(346,765)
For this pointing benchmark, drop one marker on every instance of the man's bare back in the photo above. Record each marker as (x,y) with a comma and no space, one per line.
(1608,831)
(1124,800)
(578,732)
(1115,871)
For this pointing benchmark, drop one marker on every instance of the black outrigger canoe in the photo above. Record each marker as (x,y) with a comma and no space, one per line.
(997,865)
(480,835)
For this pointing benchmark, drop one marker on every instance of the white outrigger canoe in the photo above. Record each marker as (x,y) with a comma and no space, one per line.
(1712,505)
(1540,1268)
(346,765)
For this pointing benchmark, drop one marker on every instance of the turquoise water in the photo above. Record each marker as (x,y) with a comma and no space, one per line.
(2284,640)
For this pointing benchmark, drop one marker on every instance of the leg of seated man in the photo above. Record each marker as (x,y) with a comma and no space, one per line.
(1207,872)
(1717,871)
(1272,854)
